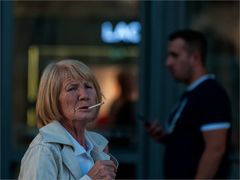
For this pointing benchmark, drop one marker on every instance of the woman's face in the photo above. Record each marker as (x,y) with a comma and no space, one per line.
(76,96)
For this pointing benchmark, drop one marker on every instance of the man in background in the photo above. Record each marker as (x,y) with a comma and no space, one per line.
(196,134)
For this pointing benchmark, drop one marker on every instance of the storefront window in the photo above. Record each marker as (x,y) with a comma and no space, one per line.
(220,21)
(46,31)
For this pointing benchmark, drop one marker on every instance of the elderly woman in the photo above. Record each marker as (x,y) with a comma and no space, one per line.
(69,98)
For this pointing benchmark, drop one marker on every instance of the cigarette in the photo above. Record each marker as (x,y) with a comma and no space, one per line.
(99,104)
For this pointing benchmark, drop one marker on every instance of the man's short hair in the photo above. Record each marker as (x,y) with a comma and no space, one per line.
(195,40)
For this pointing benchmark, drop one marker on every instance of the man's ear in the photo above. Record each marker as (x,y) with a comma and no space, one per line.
(196,58)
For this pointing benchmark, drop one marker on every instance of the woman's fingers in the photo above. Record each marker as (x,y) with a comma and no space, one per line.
(103,169)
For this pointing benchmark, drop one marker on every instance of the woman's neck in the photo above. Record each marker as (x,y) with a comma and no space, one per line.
(76,129)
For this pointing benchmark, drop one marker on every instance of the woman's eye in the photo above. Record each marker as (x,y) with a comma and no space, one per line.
(88,86)
(72,88)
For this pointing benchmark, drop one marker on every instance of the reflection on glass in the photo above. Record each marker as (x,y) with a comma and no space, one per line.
(53,30)
(220,22)
(122,112)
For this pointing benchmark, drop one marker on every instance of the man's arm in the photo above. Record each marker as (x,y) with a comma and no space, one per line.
(215,146)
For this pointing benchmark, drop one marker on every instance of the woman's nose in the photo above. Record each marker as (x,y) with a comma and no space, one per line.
(82,94)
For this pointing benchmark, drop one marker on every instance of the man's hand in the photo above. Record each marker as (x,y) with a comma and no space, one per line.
(155,130)
(103,169)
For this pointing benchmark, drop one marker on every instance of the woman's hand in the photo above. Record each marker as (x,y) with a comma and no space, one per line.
(103,169)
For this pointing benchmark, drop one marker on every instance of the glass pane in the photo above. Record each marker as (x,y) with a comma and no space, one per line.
(104,35)
(220,21)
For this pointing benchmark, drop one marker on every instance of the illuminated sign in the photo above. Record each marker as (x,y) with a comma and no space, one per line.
(123,32)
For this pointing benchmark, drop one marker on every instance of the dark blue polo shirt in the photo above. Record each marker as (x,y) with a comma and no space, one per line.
(205,107)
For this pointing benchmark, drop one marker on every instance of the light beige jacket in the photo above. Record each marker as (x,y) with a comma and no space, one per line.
(51,155)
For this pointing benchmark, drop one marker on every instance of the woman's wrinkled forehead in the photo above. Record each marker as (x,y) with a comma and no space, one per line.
(74,74)
(68,78)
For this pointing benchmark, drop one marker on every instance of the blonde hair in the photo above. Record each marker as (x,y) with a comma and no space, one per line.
(47,105)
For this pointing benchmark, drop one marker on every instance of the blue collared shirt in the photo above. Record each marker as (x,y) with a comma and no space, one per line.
(83,155)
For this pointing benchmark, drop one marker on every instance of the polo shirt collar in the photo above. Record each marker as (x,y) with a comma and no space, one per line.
(200,80)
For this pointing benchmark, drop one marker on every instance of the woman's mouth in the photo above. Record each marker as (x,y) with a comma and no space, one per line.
(81,108)
(89,107)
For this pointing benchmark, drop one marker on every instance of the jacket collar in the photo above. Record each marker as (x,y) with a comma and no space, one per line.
(54,132)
